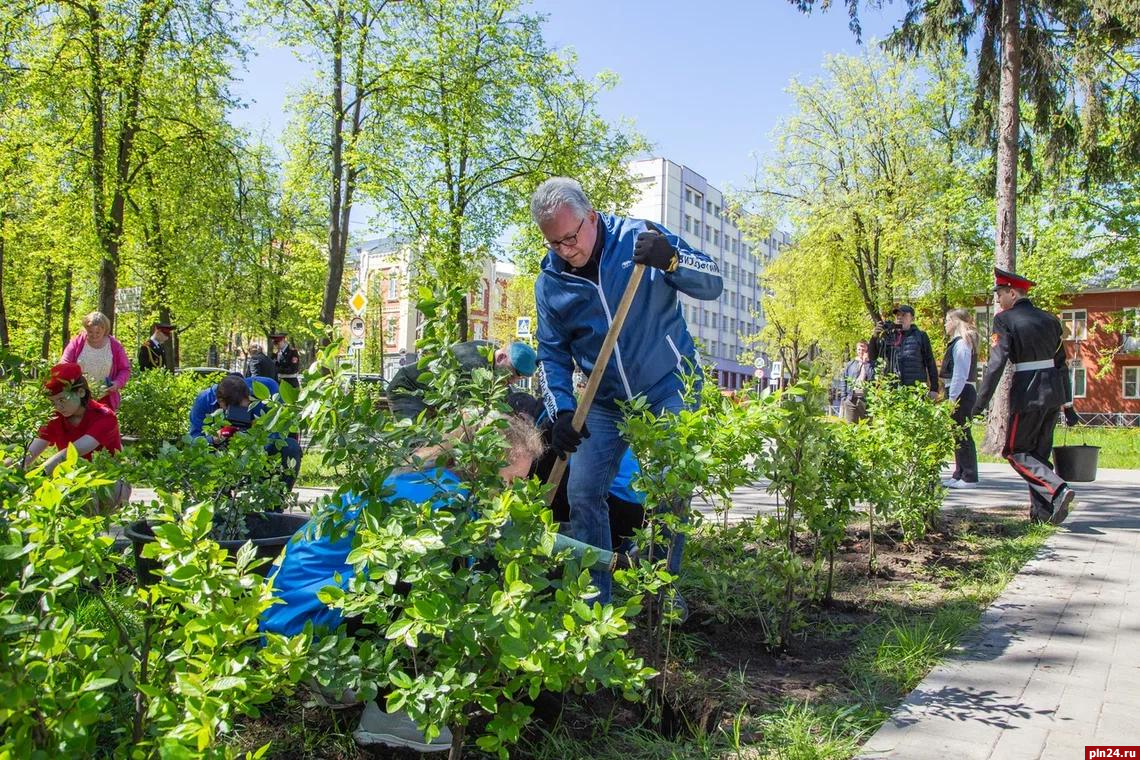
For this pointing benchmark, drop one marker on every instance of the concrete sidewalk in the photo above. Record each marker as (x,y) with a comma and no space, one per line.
(1055,663)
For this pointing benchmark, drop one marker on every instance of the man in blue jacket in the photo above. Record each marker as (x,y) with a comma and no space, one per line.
(582,279)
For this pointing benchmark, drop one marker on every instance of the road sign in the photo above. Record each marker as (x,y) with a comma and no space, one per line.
(358,302)
(356,345)
(777,373)
(522,327)
(128,299)
(356,327)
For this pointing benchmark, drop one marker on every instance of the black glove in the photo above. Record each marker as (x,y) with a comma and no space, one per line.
(1071,418)
(563,437)
(653,250)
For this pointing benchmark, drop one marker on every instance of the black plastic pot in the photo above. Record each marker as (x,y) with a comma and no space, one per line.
(268,532)
(1076,464)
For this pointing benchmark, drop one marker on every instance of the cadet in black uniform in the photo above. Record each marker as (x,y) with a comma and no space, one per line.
(1031,340)
(152,353)
(288,360)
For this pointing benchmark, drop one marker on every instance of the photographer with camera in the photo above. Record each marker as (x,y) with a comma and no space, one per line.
(206,403)
(905,350)
(233,399)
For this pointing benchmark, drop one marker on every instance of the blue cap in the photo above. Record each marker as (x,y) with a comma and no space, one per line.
(523,358)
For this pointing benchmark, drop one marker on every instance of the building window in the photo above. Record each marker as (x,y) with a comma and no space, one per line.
(1132,382)
(708,207)
(697,199)
(1131,326)
(697,227)
(745,247)
(688,223)
(716,211)
(393,288)
(1077,378)
(689,194)
(708,233)
(1075,322)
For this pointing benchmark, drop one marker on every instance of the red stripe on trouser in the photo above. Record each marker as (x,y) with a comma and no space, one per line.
(1012,433)
(1028,475)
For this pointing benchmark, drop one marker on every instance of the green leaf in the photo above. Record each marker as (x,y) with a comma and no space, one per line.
(289,394)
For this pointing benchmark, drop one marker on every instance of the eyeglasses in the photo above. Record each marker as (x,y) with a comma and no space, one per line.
(567,241)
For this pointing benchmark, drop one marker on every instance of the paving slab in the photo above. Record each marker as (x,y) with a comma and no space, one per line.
(1055,663)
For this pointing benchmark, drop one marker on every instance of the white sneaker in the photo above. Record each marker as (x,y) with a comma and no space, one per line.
(396,730)
(949,482)
(966,485)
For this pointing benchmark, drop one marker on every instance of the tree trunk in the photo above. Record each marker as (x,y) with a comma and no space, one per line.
(3,310)
(458,733)
(65,316)
(45,347)
(337,206)
(1005,255)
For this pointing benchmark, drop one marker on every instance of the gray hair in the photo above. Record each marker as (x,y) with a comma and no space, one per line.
(557,193)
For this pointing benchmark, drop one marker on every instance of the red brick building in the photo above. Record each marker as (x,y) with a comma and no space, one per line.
(1103,343)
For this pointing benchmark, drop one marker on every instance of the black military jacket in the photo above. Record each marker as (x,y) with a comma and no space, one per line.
(151,355)
(288,362)
(1023,334)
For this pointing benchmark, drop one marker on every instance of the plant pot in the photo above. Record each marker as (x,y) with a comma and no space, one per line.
(268,532)
(1076,464)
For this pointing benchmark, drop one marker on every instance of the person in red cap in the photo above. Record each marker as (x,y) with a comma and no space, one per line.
(152,353)
(1030,339)
(79,420)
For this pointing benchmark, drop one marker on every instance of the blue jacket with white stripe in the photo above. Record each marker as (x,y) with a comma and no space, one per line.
(574,314)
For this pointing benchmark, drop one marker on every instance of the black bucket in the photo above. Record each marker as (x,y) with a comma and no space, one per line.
(1076,464)
(268,532)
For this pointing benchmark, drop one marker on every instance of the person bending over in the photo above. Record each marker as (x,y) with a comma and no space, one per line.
(78,420)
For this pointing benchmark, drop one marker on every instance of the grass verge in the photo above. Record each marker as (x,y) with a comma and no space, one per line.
(1119,447)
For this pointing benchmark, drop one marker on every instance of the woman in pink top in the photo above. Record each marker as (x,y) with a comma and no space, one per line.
(103,359)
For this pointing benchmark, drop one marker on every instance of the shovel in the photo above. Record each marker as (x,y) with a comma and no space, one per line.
(600,364)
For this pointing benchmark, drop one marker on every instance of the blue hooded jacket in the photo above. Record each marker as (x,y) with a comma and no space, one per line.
(574,314)
(311,563)
(206,403)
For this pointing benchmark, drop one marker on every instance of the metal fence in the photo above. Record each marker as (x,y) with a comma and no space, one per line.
(1109,419)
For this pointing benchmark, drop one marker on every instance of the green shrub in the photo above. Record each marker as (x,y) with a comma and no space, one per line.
(88,667)
(904,443)
(156,405)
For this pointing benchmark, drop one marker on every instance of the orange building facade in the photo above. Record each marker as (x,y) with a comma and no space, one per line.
(1102,329)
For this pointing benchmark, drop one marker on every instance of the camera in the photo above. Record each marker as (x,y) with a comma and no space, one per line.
(238,416)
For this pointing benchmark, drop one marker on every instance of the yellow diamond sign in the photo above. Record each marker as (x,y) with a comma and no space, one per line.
(357,302)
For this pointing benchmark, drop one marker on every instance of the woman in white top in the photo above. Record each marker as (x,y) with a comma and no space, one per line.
(104,360)
(958,373)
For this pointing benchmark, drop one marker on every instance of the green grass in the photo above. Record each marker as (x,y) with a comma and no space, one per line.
(894,655)
(313,473)
(1119,447)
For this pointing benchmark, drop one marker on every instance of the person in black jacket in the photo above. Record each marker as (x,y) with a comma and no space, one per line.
(1032,341)
(259,364)
(153,353)
(288,360)
(905,350)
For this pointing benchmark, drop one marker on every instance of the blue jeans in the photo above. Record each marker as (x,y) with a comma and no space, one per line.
(593,468)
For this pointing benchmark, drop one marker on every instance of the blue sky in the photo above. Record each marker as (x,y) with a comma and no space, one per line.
(703,81)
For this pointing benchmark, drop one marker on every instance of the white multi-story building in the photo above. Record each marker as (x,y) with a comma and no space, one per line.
(683,201)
